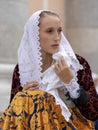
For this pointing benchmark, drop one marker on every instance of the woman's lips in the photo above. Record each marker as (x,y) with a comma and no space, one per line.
(55,45)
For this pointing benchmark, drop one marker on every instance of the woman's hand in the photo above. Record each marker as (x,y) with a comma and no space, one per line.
(33,85)
(63,71)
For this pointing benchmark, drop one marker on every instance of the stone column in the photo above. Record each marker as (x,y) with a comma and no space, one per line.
(13,15)
(82,29)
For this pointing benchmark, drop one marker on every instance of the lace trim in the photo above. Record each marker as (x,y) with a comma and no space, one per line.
(29,55)
(35,36)
(68,49)
(73,89)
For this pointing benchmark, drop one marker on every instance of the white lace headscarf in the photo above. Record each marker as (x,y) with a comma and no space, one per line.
(29,55)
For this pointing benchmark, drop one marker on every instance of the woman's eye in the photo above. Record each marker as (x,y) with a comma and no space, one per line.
(60,30)
(49,31)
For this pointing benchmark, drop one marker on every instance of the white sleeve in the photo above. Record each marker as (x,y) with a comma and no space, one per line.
(73,89)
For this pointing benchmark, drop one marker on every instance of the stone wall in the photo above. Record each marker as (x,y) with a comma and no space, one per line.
(82,29)
(6,71)
(13,15)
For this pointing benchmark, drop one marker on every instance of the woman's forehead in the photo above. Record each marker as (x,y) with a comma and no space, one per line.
(49,20)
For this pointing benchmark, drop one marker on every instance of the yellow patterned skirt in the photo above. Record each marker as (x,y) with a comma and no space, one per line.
(37,110)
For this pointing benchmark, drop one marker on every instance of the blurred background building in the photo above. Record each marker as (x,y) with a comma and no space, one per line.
(80,23)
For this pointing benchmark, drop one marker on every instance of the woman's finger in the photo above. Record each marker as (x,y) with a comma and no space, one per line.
(29,85)
(63,61)
(34,88)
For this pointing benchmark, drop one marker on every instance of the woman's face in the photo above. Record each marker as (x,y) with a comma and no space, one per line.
(50,33)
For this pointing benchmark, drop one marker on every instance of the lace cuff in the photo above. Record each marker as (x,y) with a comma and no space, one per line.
(73,89)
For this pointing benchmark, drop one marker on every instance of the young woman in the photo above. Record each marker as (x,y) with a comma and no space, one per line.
(56,87)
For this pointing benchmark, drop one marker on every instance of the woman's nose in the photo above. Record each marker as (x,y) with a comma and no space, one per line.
(57,35)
